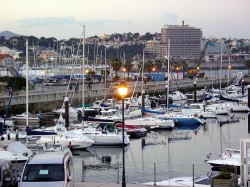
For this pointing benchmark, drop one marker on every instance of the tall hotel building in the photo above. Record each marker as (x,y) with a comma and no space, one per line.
(185,41)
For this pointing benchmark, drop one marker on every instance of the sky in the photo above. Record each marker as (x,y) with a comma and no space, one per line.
(64,19)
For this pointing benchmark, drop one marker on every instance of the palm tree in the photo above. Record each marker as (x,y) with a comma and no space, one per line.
(247,64)
(128,67)
(103,73)
(91,74)
(148,66)
(116,64)
(158,65)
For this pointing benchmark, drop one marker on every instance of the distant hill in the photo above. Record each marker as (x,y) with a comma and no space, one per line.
(8,34)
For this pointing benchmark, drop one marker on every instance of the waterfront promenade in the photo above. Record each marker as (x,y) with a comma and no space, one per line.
(54,95)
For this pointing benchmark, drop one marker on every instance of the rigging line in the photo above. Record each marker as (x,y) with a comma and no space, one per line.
(74,60)
(134,90)
(67,90)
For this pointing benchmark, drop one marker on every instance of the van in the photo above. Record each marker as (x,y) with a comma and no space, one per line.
(50,169)
(8,174)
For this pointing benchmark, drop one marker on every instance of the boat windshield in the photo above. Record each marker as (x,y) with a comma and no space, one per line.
(43,172)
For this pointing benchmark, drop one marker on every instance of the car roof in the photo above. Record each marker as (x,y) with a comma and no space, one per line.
(48,158)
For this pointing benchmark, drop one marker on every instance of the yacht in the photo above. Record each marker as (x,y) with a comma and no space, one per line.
(105,134)
(75,141)
(15,151)
(34,120)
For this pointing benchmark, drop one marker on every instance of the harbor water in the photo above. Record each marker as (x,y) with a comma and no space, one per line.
(172,152)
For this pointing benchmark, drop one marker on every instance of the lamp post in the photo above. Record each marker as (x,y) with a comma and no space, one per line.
(122,90)
(124,70)
(228,74)
(177,69)
(198,68)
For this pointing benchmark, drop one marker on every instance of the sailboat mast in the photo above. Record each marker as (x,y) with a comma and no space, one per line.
(83,70)
(168,72)
(142,69)
(221,55)
(105,74)
(27,83)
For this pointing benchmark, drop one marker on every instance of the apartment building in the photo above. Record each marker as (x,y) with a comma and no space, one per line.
(185,41)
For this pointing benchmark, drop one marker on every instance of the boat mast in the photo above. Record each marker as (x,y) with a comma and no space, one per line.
(27,84)
(168,72)
(83,70)
(221,55)
(105,74)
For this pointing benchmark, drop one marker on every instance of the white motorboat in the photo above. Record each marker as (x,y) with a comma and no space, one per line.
(72,113)
(104,135)
(229,157)
(151,123)
(34,120)
(201,111)
(177,96)
(15,151)
(8,122)
(202,181)
(75,141)
(217,108)
(111,114)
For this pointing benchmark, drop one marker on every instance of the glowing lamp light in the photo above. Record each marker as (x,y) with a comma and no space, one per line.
(122,89)
(198,67)
(229,67)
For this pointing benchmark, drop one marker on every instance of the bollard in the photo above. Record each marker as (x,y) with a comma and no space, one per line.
(242,87)
(118,170)
(195,91)
(82,171)
(154,174)
(166,90)
(143,100)
(66,112)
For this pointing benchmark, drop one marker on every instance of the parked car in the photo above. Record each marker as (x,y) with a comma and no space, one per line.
(48,169)
(49,82)
(8,174)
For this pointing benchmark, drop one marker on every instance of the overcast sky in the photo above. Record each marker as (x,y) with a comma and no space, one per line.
(63,19)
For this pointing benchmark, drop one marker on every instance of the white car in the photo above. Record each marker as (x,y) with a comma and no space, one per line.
(48,169)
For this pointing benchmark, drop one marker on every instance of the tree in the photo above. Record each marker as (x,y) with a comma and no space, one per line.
(128,66)
(148,66)
(103,73)
(247,64)
(91,74)
(158,65)
(116,64)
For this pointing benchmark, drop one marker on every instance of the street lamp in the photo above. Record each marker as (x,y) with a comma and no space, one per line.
(228,74)
(122,90)
(124,70)
(177,69)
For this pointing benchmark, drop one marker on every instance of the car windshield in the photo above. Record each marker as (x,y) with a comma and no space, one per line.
(43,173)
